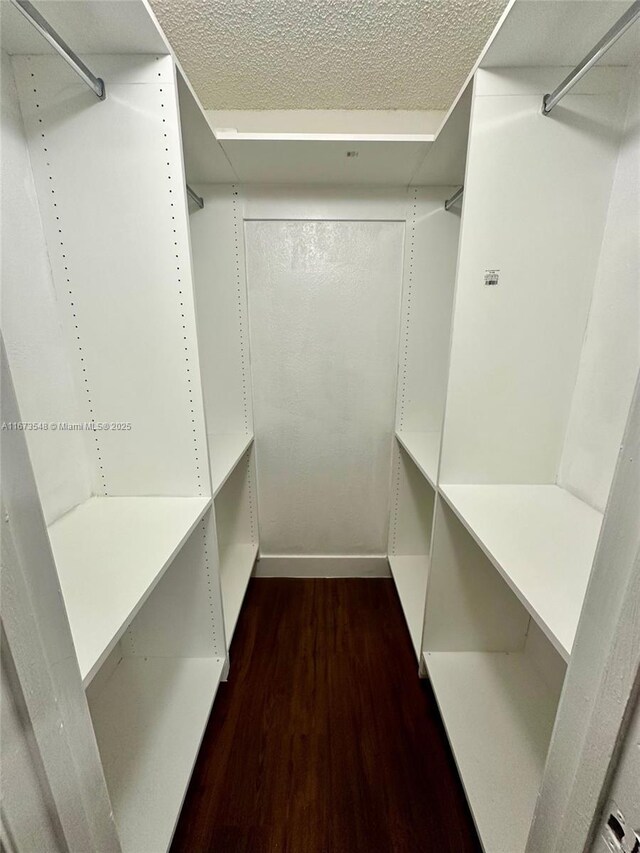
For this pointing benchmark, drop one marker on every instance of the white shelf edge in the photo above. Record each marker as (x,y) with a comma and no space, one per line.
(233,461)
(228,134)
(498,729)
(548,630)
(403,438)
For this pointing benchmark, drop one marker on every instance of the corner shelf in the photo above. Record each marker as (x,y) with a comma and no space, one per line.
(110,553)
(149,721)
(424,450)
(226,449)
(236,565)
(542,540)
(499,714)
(410,575)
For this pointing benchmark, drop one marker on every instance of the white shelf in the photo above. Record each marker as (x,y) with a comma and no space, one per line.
(498,714)
(149,722)
(236,565)
(226,449)
(542,540)
(410,576)
(424,449)
(110,553)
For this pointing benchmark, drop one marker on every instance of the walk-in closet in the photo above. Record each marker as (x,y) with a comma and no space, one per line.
(399,352)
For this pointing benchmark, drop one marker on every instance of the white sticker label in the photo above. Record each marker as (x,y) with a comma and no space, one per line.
(491,277)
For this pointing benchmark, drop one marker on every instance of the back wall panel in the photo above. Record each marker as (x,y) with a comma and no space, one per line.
(324,309)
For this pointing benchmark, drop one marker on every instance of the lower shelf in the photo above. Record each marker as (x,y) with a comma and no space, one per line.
(498,714)
(149,721)
(410,576)
(236,565)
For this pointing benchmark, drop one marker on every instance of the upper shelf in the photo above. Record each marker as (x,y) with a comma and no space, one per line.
(110,553)
(445,161)
(204,160)
(350,159)
(542,540)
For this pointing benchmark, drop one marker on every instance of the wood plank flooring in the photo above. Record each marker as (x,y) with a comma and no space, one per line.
(324,740)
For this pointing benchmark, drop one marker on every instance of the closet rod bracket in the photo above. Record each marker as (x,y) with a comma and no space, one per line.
(59,44)
(621,26)
(195,198)
(454,198)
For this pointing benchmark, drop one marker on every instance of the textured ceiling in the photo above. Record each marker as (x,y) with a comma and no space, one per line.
(327,54)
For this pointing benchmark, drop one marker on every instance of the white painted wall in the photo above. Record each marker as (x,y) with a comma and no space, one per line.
(324,306)
(31,326)
(611,351)
(623,790)
(28,813)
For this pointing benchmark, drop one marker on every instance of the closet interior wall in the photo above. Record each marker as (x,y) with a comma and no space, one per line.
(324,271)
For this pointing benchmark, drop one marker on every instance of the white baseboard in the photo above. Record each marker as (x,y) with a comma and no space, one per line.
(332,566)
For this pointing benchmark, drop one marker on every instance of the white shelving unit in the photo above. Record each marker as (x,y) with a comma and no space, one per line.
(110,554)
(125,308)
(431,247)
(542,540)
(150,479)
(151,701)
(497,680)
(487,701)
(528,442)
(149,725)
(410,540)
(235,508)
(217,240)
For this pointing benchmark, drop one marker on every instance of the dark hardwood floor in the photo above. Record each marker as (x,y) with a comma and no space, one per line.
(324,740)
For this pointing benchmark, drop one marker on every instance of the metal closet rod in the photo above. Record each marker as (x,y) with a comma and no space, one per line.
(46,30)
(454,198)
(195,197)
(622,25)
